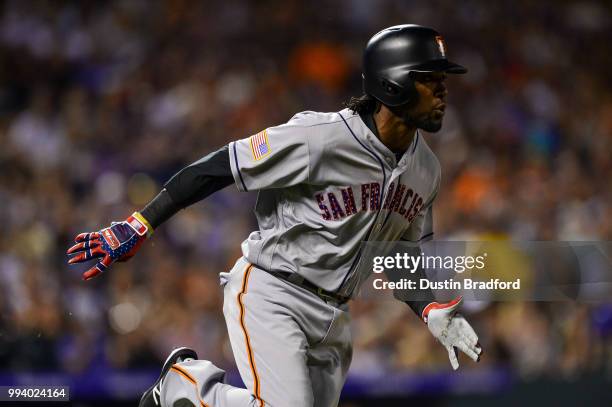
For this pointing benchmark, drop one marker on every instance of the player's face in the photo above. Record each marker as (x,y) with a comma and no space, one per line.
(428,112)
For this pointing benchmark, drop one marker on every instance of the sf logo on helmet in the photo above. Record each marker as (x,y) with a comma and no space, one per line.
(441,45)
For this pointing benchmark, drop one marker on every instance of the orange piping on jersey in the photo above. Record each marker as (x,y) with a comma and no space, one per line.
(245,282)
(180,371)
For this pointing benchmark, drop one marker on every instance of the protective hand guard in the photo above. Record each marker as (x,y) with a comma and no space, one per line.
(452,330)
(119,242)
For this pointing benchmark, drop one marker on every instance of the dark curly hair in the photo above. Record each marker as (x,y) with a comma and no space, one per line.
(364,104)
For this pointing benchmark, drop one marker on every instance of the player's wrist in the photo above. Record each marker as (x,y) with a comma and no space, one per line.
(140,225)
(437,306)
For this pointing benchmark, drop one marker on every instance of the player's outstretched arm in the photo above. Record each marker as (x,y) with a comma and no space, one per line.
(121,240)
(452,330)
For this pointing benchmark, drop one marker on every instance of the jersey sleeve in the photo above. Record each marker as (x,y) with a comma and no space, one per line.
(276,157)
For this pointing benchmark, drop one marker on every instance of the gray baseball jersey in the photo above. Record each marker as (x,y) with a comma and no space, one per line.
(326,183)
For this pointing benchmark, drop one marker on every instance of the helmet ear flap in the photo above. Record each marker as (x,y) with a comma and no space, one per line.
(394,91)
(389,92)
(390,88)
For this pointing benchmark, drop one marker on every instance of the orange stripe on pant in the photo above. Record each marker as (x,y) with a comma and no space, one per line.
(245,283)
(180,371)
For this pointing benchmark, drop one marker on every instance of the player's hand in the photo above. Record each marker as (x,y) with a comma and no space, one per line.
(118,242)
(452,330)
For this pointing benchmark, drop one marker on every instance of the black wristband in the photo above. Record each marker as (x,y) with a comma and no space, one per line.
(418,306)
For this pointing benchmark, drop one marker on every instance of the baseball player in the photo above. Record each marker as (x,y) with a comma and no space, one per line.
(327,182)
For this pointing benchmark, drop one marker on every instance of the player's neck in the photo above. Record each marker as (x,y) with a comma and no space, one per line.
(393,131)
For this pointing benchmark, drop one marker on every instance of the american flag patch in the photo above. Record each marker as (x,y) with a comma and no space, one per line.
(260,146)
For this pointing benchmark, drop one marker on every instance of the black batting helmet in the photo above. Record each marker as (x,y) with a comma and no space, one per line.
(392,54)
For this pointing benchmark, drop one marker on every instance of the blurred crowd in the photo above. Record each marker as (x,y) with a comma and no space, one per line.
(101,102)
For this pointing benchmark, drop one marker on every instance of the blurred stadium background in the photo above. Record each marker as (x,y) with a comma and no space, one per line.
(101,102)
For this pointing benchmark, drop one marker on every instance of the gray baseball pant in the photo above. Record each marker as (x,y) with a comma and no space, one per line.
(292,348)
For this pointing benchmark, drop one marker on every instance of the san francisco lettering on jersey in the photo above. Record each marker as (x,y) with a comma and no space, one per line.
(340,203)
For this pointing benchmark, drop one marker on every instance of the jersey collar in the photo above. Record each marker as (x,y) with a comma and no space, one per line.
(369,134)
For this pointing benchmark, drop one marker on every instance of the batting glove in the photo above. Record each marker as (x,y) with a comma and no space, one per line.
(119,242)
(452,330)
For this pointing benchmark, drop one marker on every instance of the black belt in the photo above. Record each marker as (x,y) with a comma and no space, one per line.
(300,281)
